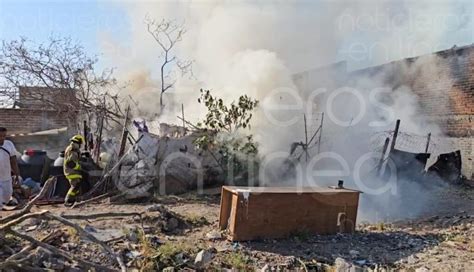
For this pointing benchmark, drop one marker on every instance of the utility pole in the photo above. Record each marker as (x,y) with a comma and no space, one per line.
(428,142)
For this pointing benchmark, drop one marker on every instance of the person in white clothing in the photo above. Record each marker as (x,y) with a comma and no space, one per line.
(8,166)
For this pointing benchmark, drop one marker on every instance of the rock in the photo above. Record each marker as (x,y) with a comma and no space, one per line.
(203,258)
(355,268)
(291,260)
(155,208)
(171,224)
(69,246)
(32,222)
(354,253)
(105,234)
(168,269)
(224,248)
(90,228)
(180,259)
(265,268)
(361,262)
(133,254)
(132,236)
(412,259)
(154,240)
(341,265)
(422,269)
(214,235)
(54,264)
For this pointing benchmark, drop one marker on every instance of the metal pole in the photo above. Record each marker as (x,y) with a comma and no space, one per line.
(85,136)
(99,140)
(395,135)
(182,114)
(385,146)
(320,132)
(306,138)
(123,141)
(428,142)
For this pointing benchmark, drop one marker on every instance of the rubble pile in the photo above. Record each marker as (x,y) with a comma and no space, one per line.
(165,165)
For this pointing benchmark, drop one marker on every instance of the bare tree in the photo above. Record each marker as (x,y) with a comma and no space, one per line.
(58,64)
(167,34)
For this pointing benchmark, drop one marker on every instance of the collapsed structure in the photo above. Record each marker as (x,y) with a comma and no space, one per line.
(168,163)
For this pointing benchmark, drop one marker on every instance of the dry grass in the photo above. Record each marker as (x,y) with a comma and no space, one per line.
(237,260)
(196,219)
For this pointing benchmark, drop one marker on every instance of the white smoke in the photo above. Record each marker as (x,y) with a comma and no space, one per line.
(254,48)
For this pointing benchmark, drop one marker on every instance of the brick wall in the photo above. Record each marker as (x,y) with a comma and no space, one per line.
(30,120)
(47,98)
(466,145)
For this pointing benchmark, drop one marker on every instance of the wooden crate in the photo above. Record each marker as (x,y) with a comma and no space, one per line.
(250,213)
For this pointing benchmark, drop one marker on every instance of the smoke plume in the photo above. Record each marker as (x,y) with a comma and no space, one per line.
(256,48)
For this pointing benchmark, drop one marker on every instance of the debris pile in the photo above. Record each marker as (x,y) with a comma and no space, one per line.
(165,165)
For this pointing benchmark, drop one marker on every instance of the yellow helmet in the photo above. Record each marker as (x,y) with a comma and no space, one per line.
(78,139)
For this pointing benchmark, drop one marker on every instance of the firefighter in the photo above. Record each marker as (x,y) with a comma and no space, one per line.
(72,168)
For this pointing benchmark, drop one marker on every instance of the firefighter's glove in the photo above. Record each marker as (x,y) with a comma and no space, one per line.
(71,164)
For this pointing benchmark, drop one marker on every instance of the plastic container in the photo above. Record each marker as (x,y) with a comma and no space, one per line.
(34,164)
(59,160)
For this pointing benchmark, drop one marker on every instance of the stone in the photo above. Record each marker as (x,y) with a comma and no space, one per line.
(360,262)
(169,269)
(90,228)
(180,259)
(171,224)
(214,235)
(341,265)
(132,236)
(155,208)
(54,264)
(356,269)
(133,254)
(354,253)
(203,257)
(412,259)
(32,221)
(154,240)
(69,246)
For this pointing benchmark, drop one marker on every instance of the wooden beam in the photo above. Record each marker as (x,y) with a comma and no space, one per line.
(123,141)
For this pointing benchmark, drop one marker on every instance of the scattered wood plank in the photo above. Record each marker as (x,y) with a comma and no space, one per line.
(59,252)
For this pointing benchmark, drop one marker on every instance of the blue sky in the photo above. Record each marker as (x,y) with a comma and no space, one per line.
(81,20)
(86,20)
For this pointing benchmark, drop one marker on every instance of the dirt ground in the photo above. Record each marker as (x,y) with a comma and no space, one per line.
(441,241)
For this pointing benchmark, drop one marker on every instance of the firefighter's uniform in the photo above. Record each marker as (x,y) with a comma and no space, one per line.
(72,168)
